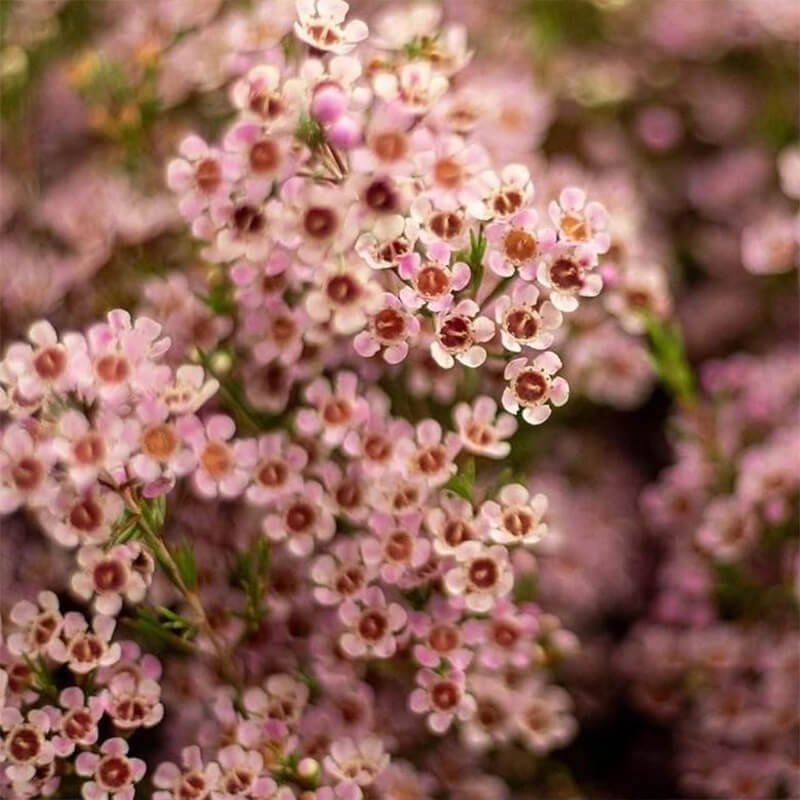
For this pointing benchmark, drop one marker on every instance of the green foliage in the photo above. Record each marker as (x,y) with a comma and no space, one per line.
(250,573)
(183,555)
(463,482)
(668,356)
(163,629)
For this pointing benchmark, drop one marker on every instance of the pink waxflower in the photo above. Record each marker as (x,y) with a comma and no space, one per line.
(443,698)
(260,94)
(45,365)
(82,517)
(451,524)
(123,572)
(389,330)
(639,292)
(341,574)
(133,701)
(517,518)
(194,779)
(373,625)
(580,222)
(237,228)
(187,390)
(346,294)
(431,458)
(506,638)
(493,196)
(78,723)
(728,529)
(321,25)
(432,281)
(39,625)
(481,576)
(360,762)
(26,460)
(82,648)
(337,409)
(439,635)
(492,722)
(531,386)
(415,86)
(124,355)
(374,445)
(301,520)
(481,430)
(113,775)
(27,752)
(459,335)
(440,226)
(278,470)
(525,319)
(514,244)
(389,239)
(345,487)
(567,271)
(397,547)
(242,775)
(541,716)
(223,466)
(200,176)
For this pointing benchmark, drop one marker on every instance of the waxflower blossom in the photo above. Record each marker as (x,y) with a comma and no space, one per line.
(515,243)
(388,331)
(579,221)
(372,625)
(85,648)
(482,431)
(360,762)
(113,775)
(482,575)
(337,408)
(431,456)
(460,332)
(303,519)
(542,718)
(200,176)
(516,517)
(40,625)
(25,464)
(532,384)
(320,25)
(524,319)
(78,723)
(432,281)
(443,698)
(193,778)
(568,272)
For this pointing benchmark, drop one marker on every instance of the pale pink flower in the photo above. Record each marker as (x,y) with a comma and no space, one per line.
(531,386)
(481,576)
(279,469)
(82,648)
(389,330)
(341,573)
(432,280)
(498,196)
(122,573)
(374,445)
(194,779)
(492,723)
(639,292)
(526,319)
(542,716)
(26,461)
(515,243)
(397,547)
(242,775)
(451,524)
(223,466)
(443,698)
(481,430)
(78,722)
(431,457)
(321,24)
(389,239)
(132,701)
(439,635)
(200,176)
(301,520)
(436,225)
(459,335)
(39,625)
(188,389)
(580,222)
(337,409)
(387,146)
(567,271)
(728,529)
(415,86)
(517,517)
(87,517)
(373,625)
(27,752)
(771,245)
(361,762)
(113,774)
(506,638)
(260,95)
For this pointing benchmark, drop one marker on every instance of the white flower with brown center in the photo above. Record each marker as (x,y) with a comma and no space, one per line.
(516,517)
(526,319)
(482,431)
(532,385)
(459,335)
(481,575)
(321,24)
(373,625)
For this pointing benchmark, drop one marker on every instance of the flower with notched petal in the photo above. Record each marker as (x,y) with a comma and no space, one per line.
(531,386)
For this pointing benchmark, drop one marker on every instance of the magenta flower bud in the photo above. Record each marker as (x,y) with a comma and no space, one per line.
(328,104)
(345,132)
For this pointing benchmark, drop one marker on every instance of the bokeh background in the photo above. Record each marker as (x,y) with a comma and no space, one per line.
(682,115)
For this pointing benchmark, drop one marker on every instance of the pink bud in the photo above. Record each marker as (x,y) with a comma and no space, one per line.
(328,104)
(345,132)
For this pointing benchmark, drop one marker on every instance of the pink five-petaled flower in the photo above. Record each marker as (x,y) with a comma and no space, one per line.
(517,518)
(279,469)
(341,573)
(459,335)
(442,697)
(223,466)
(242,775)
(25,463)
(84,649)
(431,458)
(194,781)
(524,319)
(301,520)
(483,432)
(481,576)
(432,281)
(397,548)
(320,24)
(439,636)
(415,86)
(568,272)
(532,385)
(199,176)
(358,761)
(388,330)
(506,638)
(542,716)
(27,753)
(451,524)
(39,625)
(372,625)
(337,409)
(124,571)
(113,775)
(515,243)
(78,723)
(580,222)
(493,196)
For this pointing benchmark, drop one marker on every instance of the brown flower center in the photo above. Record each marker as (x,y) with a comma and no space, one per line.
(208,175)
(399,546)
(86,515)
(320,222)
(337,411)
(343,290)
(389,145)
(89,449)
(519,246)
(77,724)
(432,281)
(455,334)
(380,196)
(447,172)
(113,772)
(566,275)
(530,387)
(457,531)
(388,325)
(432,459)
(112,368)
(24,744)
(507,201)
(216,459)
(50,362)
(445,695)
(86,648)
(574,226)
(264,156)
(522,323)
(159,441)
(27,474)
(349,580)
(248,220)
(505,633)
(373,625)
(443,638)
(272,473)
(446,224)
(300,517)
(483,573)
(109,576)
(518,521)
(377,448)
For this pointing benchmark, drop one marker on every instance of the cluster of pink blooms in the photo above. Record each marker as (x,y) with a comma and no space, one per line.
(719,650)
